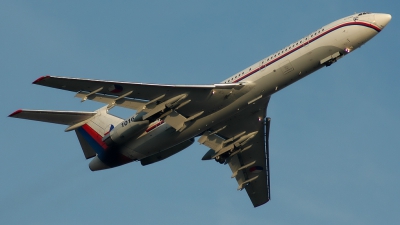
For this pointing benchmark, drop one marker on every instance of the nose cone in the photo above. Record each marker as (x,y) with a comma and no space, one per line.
(382,19)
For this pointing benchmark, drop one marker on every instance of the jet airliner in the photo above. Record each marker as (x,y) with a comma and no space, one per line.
(229,117)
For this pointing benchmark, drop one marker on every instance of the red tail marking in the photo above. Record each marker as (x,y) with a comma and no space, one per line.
(97,137)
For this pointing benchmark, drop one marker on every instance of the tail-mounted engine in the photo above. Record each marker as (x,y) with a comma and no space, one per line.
(125,131)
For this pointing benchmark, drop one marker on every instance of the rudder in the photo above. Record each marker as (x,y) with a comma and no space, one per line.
(91,133)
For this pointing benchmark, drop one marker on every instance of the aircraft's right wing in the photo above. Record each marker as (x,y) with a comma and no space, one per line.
(134,95)
(242,142)
(175,104)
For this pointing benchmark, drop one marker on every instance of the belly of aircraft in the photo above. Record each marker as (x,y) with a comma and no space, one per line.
(281,74)
(150,143)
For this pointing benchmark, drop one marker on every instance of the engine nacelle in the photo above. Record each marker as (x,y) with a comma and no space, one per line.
(166,153)
(125,131)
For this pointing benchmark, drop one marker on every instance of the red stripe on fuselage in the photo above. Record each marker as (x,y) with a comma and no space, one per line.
(377,29)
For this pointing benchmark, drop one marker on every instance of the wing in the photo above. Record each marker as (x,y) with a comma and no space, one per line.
(138,95)
(242,142)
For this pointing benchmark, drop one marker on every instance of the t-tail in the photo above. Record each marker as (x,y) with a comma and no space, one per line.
(92,129)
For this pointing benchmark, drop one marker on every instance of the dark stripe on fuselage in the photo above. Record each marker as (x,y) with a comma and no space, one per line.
(377,29)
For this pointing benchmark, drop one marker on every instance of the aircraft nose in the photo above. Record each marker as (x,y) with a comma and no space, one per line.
(382,19)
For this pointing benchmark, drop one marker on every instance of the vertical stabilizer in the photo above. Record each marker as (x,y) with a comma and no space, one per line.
(91,133)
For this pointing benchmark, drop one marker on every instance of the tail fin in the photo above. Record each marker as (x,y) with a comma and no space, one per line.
(90,127)
(91,133)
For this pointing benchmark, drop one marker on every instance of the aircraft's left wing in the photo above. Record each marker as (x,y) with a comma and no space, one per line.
(242,142)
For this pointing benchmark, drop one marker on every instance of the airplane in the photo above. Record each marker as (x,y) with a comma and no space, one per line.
(229,117)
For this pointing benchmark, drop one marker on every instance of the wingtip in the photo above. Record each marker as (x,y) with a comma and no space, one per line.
(15,113)
(259,204)
(40,79)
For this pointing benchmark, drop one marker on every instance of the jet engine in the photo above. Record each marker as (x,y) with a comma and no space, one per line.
(125,131)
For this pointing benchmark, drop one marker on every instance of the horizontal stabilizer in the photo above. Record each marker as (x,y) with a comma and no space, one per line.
(50,116)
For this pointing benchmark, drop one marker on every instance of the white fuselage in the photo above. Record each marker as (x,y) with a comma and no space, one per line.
(262,79)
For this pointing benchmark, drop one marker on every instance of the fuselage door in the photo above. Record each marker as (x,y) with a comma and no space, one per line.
(286,67)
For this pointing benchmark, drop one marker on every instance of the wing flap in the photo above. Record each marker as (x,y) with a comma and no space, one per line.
(260,168)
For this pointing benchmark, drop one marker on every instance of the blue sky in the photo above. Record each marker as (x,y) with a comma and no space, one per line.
(334,135)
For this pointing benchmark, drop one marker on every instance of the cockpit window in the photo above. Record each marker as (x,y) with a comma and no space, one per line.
(363,13)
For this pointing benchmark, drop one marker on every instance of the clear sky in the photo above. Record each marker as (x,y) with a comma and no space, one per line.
(334,142)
